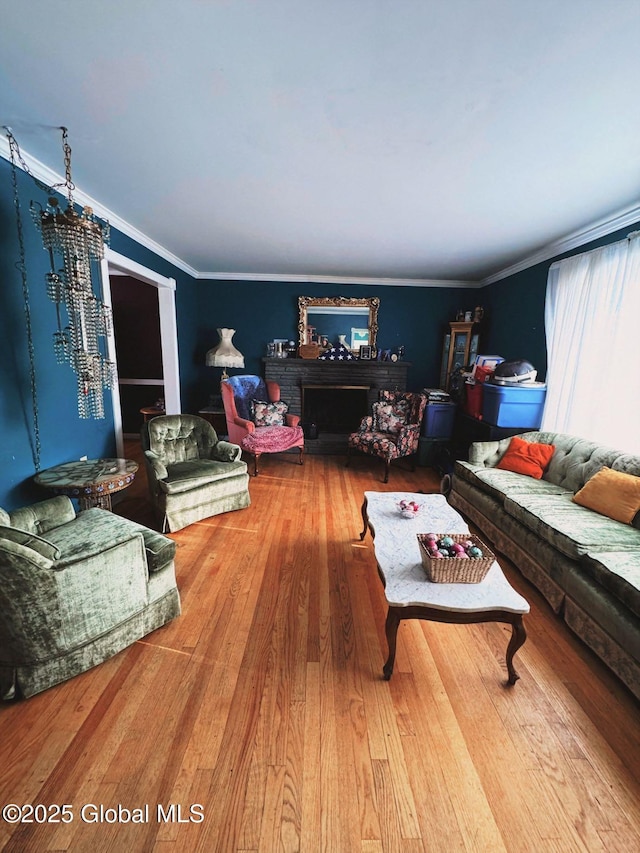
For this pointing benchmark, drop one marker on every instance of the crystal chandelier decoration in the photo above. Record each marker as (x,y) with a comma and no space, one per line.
(78,239)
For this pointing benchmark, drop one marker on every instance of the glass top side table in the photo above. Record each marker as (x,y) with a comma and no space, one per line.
(91,481)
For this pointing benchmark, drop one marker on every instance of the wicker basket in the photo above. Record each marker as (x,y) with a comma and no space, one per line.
(456,569)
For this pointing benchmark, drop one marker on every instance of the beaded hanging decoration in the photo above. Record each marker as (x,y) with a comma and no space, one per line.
(79,239)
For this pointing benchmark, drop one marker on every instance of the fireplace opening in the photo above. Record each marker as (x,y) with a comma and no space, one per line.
(335,408)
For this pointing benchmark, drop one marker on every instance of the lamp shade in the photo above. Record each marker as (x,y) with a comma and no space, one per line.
(225,354)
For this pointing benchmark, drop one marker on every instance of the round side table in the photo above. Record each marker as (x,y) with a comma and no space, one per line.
(91,481)
(149,412)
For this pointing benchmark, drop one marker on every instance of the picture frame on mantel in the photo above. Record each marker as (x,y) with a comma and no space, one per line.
(365,353)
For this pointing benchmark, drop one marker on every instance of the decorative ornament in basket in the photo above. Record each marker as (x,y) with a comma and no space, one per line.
(454,557)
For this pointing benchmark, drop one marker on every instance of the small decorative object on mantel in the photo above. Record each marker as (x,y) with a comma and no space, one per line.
(309,351)
(338,353)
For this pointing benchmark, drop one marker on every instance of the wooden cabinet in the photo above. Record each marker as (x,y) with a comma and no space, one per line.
(459,350)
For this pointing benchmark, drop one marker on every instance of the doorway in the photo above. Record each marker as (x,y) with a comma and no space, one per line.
(114,265)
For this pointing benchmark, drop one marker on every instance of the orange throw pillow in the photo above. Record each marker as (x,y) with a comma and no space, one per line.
(611,493)
(525,457)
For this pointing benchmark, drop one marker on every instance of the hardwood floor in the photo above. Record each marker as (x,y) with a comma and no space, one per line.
(262,712)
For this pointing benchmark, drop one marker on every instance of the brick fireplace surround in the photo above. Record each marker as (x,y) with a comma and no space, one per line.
(294,374)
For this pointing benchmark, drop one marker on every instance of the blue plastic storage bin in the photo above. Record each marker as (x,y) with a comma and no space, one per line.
(514,405)
(438,420)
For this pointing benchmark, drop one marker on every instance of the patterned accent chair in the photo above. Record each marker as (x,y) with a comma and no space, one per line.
(192,474)
(257,419)
(392,431)
(76,590)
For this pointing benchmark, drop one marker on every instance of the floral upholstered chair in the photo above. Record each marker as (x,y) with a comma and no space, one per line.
(257,419)
(392,431)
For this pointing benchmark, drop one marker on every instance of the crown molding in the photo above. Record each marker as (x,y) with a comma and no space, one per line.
(49,177)
(623,219)
(337,279)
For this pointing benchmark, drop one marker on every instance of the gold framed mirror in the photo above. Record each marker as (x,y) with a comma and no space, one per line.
(323,316)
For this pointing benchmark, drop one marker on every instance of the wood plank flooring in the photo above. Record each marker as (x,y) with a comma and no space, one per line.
(259,720)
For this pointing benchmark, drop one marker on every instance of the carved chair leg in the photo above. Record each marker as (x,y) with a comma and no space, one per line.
(301,455)
(387,465)
(256,456)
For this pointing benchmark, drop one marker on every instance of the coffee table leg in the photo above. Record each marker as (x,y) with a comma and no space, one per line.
(518,636)
(391,630)
(365,519)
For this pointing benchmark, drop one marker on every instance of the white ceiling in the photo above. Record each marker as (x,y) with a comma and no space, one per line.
(402,139)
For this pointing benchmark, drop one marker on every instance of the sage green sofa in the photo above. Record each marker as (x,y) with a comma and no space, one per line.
(585,564)
(192,474)
(75,590)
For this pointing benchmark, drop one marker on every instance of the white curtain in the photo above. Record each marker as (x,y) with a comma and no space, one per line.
(592,321)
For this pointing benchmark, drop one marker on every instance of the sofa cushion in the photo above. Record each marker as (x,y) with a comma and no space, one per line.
(268,414)
(611,493)
(572,529)
(185,476)
(526,457)
(499,483)
(617,571)
(98,525)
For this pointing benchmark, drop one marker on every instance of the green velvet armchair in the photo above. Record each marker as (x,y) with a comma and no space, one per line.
(75,590)
(192,474)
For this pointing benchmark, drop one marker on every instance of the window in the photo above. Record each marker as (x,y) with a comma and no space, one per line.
(592,321)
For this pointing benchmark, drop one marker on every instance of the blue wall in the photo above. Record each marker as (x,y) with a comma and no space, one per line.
(415,317)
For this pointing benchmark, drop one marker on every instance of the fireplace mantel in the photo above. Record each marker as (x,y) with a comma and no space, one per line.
(292,373)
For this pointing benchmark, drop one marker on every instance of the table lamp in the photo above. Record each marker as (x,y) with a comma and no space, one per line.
(225,354)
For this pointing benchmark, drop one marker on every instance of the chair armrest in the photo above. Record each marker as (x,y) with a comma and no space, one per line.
(249,426)
(16,556)
(292,420)
(30,540)
(410,430)
(44,515)
(407,439)
(366,424)
(225,451)
(157,466)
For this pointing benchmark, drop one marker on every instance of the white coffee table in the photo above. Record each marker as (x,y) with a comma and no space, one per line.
(408,592)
